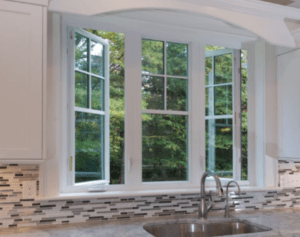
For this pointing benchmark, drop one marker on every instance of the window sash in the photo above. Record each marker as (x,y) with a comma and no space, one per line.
(165,111)
(72,108)
(236,105)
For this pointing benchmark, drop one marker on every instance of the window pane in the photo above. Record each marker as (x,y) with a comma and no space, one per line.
(116,103)
(223,100)
(81,52)
(164,147)
(152,92)
(97,90)
(153,56)
(97,58)
(223,69)
(244,110)
(219,143)
(89,147)
(81,90)
(177,94)
(177,59)
(208,71)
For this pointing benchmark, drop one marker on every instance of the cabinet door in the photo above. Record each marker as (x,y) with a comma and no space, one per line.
(288,75)
(21,80)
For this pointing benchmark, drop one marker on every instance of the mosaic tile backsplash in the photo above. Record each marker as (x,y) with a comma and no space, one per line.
(18,212)
(289,173)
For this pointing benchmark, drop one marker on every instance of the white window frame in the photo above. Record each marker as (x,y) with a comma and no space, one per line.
(133,168)
(236,106)
(165,111)
(72,108)
(133,110)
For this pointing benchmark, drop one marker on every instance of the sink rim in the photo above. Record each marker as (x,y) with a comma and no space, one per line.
(205,222)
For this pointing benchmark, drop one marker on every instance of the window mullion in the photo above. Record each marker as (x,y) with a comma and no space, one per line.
(133,110)
(90,111)
(197,112)
(213,88)
(236,97)
(71,157)
(161,75)
(222,84)
(211,122)
(165,93)
(165,75)
(90,79)
(107,112)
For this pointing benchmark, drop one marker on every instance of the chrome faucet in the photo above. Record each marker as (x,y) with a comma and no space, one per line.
(227,196)
(203,207)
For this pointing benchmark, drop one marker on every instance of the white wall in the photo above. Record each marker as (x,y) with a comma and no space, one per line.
(51,167)
(264,129)
(288,104)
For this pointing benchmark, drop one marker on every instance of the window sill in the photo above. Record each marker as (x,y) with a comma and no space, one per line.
(87,195)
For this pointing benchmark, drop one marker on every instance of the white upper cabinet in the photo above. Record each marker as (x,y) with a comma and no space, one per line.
(21,80)
(288,66)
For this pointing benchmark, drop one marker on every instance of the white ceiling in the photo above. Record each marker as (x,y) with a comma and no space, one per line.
(185,20)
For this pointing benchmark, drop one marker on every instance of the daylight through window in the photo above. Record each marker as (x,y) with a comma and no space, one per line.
(165,111)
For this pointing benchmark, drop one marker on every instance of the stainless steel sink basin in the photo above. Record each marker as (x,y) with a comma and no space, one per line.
(195,228)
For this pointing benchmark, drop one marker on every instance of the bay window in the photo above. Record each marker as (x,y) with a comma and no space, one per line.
(166,111)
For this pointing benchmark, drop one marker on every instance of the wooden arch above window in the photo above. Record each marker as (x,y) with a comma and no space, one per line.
(265,20)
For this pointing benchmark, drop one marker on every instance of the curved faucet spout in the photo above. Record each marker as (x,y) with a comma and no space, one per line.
(227,197)
(204,208)
(218,183)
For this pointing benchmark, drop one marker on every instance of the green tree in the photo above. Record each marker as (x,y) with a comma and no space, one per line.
(223,106)
(164,137)
(116,103)
(244,109)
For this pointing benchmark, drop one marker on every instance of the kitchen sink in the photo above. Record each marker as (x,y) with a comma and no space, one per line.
(197,228)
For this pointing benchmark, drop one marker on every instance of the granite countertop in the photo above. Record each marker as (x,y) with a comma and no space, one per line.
(284,222)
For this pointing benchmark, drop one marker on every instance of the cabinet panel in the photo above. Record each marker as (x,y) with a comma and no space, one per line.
(288,66)
(21,69)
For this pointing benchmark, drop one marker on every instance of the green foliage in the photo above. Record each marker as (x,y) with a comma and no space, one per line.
(153,56)
(81,90)
(177,59)
(244,109)
(177,97)
(116,103)
(164,147)
(88,145)
(152,92)
(223,106)
(164,137)
(81,53)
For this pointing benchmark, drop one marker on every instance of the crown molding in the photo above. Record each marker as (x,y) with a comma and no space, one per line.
(253,7)
(263,19)
(93,7)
